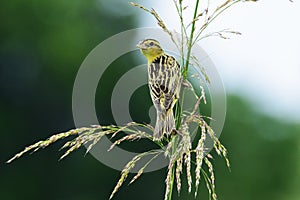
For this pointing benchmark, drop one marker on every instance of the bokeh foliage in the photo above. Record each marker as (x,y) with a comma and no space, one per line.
(42,44)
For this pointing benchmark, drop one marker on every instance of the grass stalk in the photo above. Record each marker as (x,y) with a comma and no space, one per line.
(190,41)
(185,67)
(172,184)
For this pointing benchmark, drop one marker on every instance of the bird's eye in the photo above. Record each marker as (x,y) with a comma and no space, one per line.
(151,43)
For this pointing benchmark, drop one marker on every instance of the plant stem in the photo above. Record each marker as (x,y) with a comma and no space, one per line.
(185,68)
(190,42)
(179,107)
(172,184)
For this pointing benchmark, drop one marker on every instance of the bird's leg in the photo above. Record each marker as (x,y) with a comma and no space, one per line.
(186,84)
(175,132)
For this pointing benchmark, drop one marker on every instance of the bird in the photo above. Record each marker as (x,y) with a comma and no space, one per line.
(164,81)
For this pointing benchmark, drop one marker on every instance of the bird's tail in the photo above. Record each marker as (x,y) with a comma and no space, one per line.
(165,123)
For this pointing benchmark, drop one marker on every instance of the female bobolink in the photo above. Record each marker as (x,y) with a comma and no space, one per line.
(164,79)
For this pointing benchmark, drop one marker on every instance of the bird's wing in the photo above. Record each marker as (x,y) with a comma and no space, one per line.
(164,77)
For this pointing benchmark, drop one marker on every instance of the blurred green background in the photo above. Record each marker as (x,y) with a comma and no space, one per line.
(42,44)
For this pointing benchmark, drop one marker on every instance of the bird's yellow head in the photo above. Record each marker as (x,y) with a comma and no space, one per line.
(150,48)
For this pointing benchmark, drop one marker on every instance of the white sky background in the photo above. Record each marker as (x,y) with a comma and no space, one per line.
(263,63)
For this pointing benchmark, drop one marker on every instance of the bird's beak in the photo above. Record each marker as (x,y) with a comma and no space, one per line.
(139,45)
